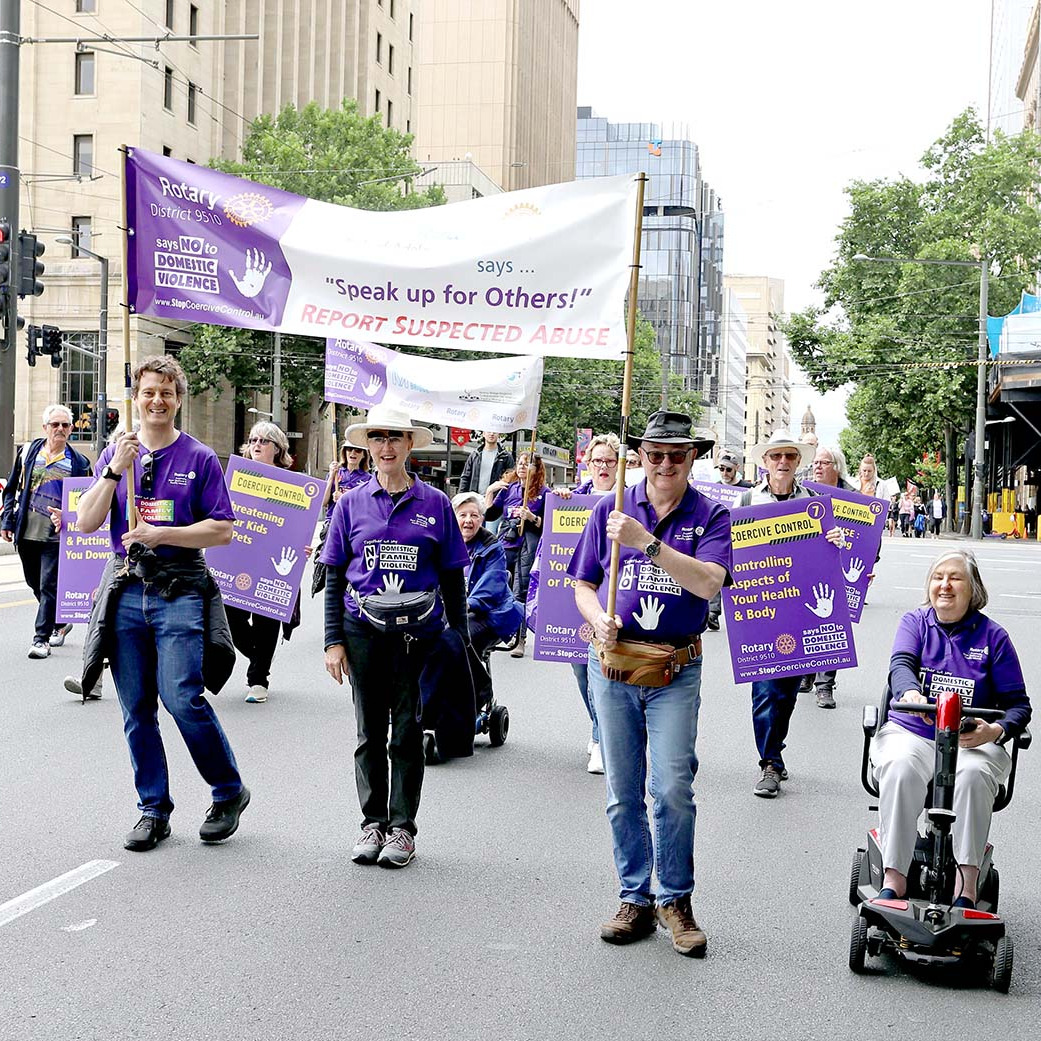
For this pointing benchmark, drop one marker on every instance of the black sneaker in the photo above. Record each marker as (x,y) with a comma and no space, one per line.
(222,820)
(147,834)
(713,622)
(806,684)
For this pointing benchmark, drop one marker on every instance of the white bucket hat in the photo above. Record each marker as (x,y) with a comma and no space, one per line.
(383,417)
(782,439)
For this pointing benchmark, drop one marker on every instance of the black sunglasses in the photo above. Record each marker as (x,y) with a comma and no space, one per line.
(147,467)
(677,455)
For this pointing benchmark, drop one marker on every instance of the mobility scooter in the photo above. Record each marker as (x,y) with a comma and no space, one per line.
(924,928)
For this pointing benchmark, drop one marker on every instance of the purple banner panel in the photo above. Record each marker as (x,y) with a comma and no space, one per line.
(786,611)
(561,633)
(81,558)
(275,515)
(863,521)
(728,494)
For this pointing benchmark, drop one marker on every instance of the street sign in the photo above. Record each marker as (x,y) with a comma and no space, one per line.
(293,433)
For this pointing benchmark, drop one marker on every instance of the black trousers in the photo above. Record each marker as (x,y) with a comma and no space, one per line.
(40,567)
(384,674)
(255,636)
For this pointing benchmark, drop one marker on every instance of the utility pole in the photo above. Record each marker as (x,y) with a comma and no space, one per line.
(979,461)
(10,41)
(276,384)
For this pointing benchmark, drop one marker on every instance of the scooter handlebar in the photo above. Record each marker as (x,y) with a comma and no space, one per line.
(927,708)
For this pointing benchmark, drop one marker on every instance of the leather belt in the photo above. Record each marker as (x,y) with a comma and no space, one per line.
(689,652)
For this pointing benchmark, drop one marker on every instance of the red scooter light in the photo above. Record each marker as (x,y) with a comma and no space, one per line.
(970,913)
(948,712)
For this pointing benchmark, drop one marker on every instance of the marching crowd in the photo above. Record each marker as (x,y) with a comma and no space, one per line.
(412,577)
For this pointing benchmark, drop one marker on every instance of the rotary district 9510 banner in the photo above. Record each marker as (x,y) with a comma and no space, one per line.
(786,611)
(540,271)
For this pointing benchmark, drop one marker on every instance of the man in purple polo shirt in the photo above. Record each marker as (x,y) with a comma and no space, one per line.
(674,557)
(156,628)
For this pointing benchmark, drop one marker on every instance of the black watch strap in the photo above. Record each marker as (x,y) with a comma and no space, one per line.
(110,474)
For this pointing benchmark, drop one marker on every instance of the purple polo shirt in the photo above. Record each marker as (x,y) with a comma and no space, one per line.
(187,485)
(345,481)
(652,606)
(974,657)
(414,540)
(510,499)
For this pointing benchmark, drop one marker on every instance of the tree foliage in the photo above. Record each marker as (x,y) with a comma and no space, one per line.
(905,336)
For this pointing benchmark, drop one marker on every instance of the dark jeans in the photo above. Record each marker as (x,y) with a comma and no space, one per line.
(384,674)
(255,636)
(40,567)
(773,702)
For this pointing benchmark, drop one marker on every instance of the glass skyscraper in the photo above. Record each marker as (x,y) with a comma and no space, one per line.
(681,281)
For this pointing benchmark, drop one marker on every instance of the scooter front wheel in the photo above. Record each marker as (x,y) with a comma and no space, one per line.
(1001,980)
(858,944)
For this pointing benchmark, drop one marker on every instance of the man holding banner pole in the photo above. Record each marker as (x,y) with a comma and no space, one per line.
(674,556)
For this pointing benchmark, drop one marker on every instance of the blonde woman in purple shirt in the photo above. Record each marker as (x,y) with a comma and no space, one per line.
(947,644)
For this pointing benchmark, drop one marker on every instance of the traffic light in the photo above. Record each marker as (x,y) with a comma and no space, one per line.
(35,336)
(5,254)
(29,268)
(52,344)
(111,421)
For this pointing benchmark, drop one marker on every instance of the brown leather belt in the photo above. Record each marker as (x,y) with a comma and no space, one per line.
(689,652)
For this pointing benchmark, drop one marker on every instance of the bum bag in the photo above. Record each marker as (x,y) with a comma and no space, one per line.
(646,664)
(396,612)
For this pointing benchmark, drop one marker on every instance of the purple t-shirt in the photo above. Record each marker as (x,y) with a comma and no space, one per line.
(509,499)
(652,605)
(345,481)
(386,546)
(975,657)
(183,484)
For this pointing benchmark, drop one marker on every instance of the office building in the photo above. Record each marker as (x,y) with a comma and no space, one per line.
(1010,21)
(730,414)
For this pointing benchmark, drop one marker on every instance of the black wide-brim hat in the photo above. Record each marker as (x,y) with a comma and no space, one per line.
(673,428)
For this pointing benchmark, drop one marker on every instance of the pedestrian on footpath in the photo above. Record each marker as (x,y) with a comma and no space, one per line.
(395,574)
(486,466)
(158,616)
(773,701)
(32,517)
(674,556)
(256,635)
(729,467)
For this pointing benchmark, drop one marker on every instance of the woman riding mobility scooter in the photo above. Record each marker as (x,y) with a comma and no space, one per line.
(960,699)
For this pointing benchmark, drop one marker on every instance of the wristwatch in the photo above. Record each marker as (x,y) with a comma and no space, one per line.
(110,474)
(653,548)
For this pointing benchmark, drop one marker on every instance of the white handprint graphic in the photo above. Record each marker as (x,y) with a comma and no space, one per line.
(856,569)
(650,611)
(372,386)
(286,561)
(825,600)
(254,275)
(393,584)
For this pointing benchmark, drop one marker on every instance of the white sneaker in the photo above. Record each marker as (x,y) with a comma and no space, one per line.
(256,695)
(59,634)
(74,685)
(40,649)
(596,761)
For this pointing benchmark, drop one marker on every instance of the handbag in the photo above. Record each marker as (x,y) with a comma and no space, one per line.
(396,612)
(645,664)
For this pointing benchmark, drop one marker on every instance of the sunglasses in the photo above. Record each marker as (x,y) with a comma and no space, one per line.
(778,456)
(725,469)
(60,426)
(260,441)
(353,448)
(676,455)
(147,474)
(391,437)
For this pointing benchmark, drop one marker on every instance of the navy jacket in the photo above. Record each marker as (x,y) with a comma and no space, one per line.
(488,593)
(17,494)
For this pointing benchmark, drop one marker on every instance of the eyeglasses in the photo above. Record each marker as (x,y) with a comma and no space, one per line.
(391,437)
(260,441)
(607,464)
(725,469)
(776,457)
(677,455)
(60,426)
(823,462)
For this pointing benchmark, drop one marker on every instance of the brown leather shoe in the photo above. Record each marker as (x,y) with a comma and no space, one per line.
(631,922)
(687,938)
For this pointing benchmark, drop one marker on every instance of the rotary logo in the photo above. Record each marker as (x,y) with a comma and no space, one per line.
(473,415)
(586,633)
(243,581)
(425,408)
(248,208)
(524,209)
(785,643)
(371,355)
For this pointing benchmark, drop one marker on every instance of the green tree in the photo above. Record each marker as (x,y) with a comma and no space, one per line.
(334,155)
(904,336)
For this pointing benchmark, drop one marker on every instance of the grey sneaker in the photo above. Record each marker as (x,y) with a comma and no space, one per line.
(40,649)
(825,697)
(59,634)
(769,784)
(368,846)
(399,849)
(806,684)
(74,685)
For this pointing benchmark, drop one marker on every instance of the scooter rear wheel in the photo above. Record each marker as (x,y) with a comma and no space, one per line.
(854,878)
(858,944)
(1001,980)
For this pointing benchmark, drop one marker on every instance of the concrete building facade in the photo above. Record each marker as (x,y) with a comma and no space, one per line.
(730,426)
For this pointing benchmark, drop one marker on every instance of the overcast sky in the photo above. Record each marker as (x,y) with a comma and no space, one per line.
(788,101)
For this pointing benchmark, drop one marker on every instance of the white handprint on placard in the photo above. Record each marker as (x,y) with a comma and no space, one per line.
(856,569)
(286,561)
(650,611)
(393,584)
(825,600)
(372,386)
(254,275)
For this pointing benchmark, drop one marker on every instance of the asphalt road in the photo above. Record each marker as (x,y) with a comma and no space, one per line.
(493,931)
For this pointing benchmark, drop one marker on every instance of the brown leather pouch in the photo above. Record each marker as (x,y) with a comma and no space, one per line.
(646,664)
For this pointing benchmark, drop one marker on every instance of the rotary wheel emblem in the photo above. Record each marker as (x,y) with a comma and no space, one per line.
(248,208)
(785,643)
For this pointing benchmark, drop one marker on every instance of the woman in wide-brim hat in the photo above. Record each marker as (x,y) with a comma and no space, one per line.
(394,534)
(347,471)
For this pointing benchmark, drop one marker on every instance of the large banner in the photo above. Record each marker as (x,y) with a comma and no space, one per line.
(786,611)
(81,558)
(275,516)
(561,633)
(863,519)
(498,394)
(728,494)
(540,271)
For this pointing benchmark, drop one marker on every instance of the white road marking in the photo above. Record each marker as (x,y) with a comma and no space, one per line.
(16,603)
(52,890)
(1022,596)
(78,927)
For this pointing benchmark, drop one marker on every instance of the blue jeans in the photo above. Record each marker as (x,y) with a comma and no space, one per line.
(665,720)
(581,671)
(157,655)
(773,702)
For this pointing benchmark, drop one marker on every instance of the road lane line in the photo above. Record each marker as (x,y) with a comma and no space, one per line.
(1021,596)
(52,890)
(16,603)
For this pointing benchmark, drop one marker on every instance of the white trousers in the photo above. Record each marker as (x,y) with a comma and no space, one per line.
(903,765)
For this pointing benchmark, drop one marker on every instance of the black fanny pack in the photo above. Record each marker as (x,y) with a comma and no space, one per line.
(396,612)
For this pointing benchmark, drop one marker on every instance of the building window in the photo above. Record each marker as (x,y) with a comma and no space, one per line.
(390,112)
(393,7)
(193,92)
(193,24)
(169,14)
(410,17)
(167,151)
(408,126)
(86,6)
(80,235)
(168,88)
(83,155)
(85,72)
(379,48)
(379,101)
(78,381)
(409,88)
(189,159)
(390,58)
